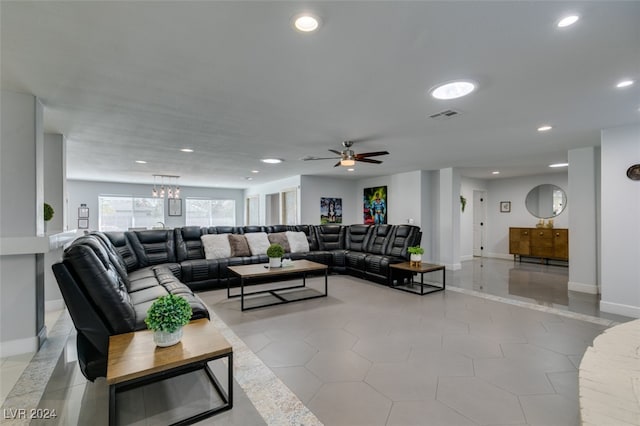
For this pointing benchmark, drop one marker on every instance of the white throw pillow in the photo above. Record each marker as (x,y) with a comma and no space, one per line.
(298,242)
(258,242)
(216,246)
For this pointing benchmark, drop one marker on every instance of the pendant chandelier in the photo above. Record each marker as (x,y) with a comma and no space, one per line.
(171,189)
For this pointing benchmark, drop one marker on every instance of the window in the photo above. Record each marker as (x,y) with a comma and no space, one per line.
(253,211)
(117,213)
(205,212)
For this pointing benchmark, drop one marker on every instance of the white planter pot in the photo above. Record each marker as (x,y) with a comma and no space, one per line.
(164,339)
(275,262)
(415,258)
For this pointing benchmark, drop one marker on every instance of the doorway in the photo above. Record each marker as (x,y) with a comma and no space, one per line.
(272,209)
(479,222)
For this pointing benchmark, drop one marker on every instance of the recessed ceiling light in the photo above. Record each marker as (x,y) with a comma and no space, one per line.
(559,165)
(306,22)
(186,150)
(495,172)
(271,160)
(350,170)
(568,20)
(255,171)
(544,128)
(141,162)
(453,89)
(624,83)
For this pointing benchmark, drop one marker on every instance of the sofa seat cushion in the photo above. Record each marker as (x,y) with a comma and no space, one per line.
(354,260)
(200,269)
(376,264)
(147,294)
(142,279)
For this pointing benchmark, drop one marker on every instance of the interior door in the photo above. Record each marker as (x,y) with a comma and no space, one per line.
(479,221)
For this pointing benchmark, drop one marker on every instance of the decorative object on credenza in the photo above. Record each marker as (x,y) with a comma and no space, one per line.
(172,189)
(415,258)
(505,206)
(330,210)
(540,224)
(166,317)
(374,209)
(549,224)
(175,207)
(275,253)
(633,172)
(463,203)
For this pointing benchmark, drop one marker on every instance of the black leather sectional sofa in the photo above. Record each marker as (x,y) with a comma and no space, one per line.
(109,280)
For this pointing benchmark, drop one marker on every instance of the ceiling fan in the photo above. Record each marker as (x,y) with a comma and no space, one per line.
(348,158)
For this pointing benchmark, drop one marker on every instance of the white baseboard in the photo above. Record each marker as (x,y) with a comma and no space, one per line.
(620,309)
(54,305)
(453,266)
(499,256)
(466,257)
(582,288)
(18,346)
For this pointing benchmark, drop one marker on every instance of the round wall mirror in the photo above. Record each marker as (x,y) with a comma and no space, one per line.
(546,201)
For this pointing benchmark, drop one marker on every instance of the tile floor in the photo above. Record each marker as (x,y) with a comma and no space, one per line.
(501,346)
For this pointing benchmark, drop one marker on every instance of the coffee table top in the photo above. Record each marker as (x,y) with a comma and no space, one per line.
(424,267)
(134,355)
(263,270)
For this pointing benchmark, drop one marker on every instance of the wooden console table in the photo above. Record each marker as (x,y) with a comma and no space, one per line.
(134,361)
(544,243)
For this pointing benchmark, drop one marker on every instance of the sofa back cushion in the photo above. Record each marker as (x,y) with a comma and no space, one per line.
(258,242)
(330,237)
(216,246)
(252,228)
(297,242)
(123,246)
(277,228)
(153,247)
(188,243)
(403,237)
(224,230)
(309,231)
(358,237)
(379,239)
(280,238)
(102,283)
(114,256)
(239,246)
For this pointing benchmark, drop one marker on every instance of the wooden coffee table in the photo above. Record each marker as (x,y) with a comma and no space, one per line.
(412,287)
(262,271)
(134,361)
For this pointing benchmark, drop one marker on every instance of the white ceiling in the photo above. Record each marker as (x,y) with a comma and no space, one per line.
(138,80)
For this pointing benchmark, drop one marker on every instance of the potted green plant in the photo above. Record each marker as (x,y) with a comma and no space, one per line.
(166,317)
(416,253)
(275,253)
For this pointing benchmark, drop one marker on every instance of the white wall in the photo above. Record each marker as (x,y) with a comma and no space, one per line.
(313,188)
(403,196)
(516,190)
(87,192)
(620,218)
(276,186)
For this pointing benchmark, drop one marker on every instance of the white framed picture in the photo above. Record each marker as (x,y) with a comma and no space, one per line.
(175,206)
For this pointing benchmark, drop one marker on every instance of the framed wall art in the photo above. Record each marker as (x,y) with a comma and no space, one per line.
(374,205)
(330,210)
(505,206)
(175,206)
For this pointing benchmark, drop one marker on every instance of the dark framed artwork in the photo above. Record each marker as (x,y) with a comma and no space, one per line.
(175,206)
(330,210)
(505,206)
(374,205)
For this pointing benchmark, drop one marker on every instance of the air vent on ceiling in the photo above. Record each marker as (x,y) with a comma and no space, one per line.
(444,115)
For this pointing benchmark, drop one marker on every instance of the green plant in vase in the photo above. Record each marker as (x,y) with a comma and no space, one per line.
(275,253)
(415,253)
(166,317)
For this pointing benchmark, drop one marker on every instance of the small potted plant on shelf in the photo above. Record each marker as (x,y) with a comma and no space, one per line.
(416,253)
(166,317)
(48,214)
(275,253)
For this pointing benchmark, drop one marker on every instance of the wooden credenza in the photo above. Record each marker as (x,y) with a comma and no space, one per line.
(545,243)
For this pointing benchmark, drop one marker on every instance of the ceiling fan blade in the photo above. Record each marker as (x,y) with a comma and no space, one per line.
(335,152)
(368,160)
(320,158)
(372,154)
(337,164)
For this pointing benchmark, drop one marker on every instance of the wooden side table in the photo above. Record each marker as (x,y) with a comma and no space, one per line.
(412,287)
(134,361)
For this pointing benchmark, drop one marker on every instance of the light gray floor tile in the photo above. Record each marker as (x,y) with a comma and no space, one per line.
(513,376)
(339,366)
(286,353)
(427,412)
(350,403)
(300,380)
(383,348)
(437,362)
(480,401)
(256,341)
(402,382)
(471,346)
(537,358)
(331,339)
(545,410)
(565,383)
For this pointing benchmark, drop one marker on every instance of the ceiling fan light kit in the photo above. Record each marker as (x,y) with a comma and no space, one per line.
(347,157)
